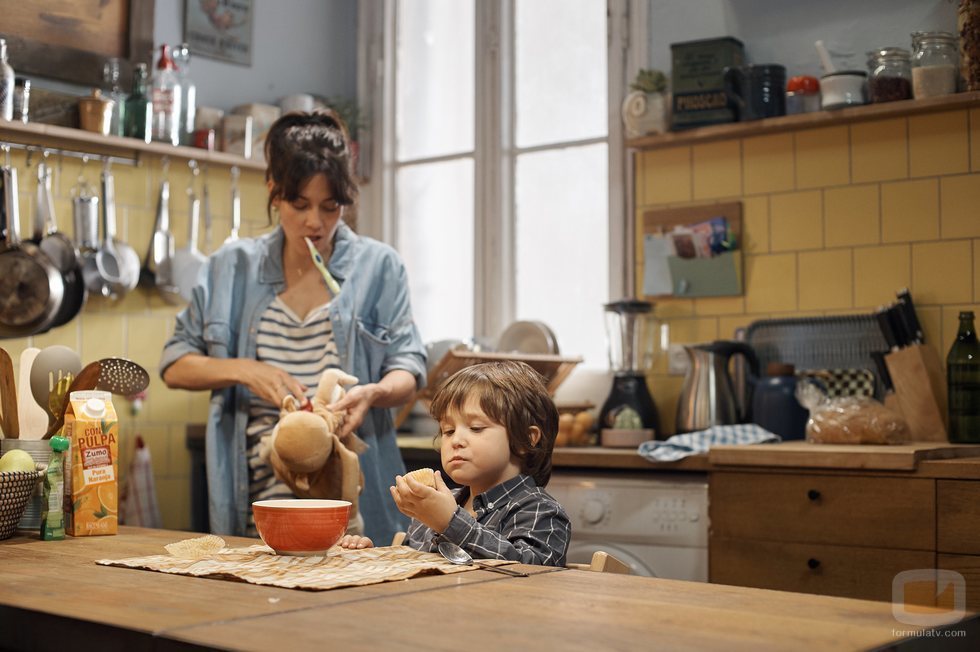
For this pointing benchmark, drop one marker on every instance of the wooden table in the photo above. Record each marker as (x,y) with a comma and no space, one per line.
(52,593)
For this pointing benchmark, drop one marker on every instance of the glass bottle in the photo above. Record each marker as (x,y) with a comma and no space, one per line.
(963,383)
(968,26)
(112,90)
(138,116)
(166,98)
(6,84)
(935,64)
(182,59)
(891,75)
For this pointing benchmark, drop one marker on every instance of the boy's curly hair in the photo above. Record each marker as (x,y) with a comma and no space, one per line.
(513,395)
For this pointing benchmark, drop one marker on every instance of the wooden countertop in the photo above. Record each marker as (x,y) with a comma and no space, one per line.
(583,457)
(54,593)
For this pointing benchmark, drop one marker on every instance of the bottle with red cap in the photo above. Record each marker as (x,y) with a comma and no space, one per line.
(802,95)
(166,98)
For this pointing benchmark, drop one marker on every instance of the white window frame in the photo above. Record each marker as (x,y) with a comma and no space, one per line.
(494,156)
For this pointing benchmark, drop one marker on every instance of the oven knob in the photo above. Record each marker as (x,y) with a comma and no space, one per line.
(593,511)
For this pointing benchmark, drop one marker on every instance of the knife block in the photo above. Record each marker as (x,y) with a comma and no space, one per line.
(920,387)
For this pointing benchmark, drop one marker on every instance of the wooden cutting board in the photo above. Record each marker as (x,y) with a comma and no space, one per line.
(904,457)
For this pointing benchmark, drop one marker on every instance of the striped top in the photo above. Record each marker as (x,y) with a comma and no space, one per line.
(303,348)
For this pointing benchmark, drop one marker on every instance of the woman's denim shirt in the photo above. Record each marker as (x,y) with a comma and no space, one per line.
(374,331)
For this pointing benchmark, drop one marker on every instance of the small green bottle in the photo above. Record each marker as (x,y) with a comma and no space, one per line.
(138,115)
(53,515)
(963,383)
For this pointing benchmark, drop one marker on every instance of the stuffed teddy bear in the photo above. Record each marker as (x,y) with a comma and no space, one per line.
(306,453)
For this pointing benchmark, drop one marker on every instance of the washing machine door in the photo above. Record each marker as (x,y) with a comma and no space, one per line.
(581,553)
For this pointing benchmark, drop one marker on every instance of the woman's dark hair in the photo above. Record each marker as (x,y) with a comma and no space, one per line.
(301,145)
(513,395)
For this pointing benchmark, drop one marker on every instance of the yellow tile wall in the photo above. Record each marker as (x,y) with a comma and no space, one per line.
(137,325)
(835,220)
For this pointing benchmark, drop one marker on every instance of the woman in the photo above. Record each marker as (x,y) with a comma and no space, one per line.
(262,324)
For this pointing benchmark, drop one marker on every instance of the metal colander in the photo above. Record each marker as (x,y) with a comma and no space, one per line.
(16,488)
(121,376)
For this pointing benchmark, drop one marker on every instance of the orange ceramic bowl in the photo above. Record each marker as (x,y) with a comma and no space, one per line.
(301,526)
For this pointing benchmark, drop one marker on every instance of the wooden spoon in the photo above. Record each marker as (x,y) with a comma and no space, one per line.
(86,379)
(8,397)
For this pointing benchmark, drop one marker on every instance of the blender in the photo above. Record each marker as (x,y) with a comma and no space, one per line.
(629,415)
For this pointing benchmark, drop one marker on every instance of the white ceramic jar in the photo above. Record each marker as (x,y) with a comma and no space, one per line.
(842,89)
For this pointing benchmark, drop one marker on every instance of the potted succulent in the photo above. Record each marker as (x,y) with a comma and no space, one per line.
(645,107)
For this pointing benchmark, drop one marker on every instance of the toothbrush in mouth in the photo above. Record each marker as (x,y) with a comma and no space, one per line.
(332,284)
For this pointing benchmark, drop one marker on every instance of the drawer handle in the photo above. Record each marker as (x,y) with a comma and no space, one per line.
(812,563)
(813,495)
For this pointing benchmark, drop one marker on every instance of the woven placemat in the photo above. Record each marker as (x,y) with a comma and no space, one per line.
(340,567)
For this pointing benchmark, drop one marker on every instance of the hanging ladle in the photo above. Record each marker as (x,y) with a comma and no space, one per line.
(460,557)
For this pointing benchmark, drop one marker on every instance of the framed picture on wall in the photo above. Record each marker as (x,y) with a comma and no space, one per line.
(220,29)
(71,41)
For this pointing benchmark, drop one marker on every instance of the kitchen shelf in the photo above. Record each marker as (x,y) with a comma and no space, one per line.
(87,142)
(769,126)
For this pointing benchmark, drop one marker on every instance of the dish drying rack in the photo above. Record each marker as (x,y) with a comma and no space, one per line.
(834,342)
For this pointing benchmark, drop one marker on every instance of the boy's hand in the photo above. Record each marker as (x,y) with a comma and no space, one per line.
(433,507)
(355,542)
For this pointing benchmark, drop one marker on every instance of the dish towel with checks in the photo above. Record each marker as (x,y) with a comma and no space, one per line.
(693,443)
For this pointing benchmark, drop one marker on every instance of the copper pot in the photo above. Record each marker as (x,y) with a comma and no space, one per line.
(95,113)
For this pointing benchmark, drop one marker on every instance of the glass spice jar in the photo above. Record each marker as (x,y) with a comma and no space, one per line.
(968,23)
(934,64)
(891,75)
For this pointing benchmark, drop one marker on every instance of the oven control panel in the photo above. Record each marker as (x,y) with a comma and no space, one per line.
(651,509)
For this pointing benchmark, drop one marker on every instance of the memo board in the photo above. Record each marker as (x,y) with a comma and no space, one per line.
(659,274)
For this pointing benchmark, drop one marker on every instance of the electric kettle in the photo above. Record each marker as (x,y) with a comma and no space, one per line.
(708,396)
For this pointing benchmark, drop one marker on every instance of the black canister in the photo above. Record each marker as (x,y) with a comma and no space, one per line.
(757,91)
(774,404)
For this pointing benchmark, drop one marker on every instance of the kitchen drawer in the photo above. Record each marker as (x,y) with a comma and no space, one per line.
(839,510)
(865,573)
(958,516)
(969,567)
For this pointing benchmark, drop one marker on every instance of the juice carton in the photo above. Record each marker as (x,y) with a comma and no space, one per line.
(91,503)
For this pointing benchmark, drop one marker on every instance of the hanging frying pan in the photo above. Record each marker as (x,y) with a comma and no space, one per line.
(59,249)
(31,287)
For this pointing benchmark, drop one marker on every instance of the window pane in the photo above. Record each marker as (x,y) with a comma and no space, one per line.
(562,234)
(561,70)
(435,238)
(434,93)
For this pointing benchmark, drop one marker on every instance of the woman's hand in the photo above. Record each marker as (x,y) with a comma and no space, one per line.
(433,507)
(355,542)
(356,403)
(271,383)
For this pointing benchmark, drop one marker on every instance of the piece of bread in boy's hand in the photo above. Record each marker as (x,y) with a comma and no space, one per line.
(423,476)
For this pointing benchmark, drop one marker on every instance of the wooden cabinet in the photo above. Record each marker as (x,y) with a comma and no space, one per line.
(837,510)
(848,571)
(840,535)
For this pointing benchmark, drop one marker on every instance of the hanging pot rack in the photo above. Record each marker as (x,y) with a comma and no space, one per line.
(127,151)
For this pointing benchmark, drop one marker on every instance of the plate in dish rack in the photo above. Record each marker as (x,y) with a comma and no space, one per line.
(528,337)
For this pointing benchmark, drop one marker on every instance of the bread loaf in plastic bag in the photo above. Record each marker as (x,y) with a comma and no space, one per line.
(849,419)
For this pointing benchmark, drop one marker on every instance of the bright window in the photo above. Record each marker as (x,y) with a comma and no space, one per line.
(499,166)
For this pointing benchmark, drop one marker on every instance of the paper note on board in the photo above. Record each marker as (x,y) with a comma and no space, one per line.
(656,272)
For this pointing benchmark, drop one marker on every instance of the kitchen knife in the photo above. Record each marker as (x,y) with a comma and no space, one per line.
(909,317)
(883,375)
(885,324)
(902,336)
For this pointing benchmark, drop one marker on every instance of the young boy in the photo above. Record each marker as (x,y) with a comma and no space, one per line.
(497,428)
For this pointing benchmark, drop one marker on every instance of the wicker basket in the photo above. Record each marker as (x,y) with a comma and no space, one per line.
(16,488)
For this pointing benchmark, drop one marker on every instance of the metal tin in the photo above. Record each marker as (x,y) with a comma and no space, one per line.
(697,80)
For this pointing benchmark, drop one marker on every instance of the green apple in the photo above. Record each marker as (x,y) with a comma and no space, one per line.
(16,460)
